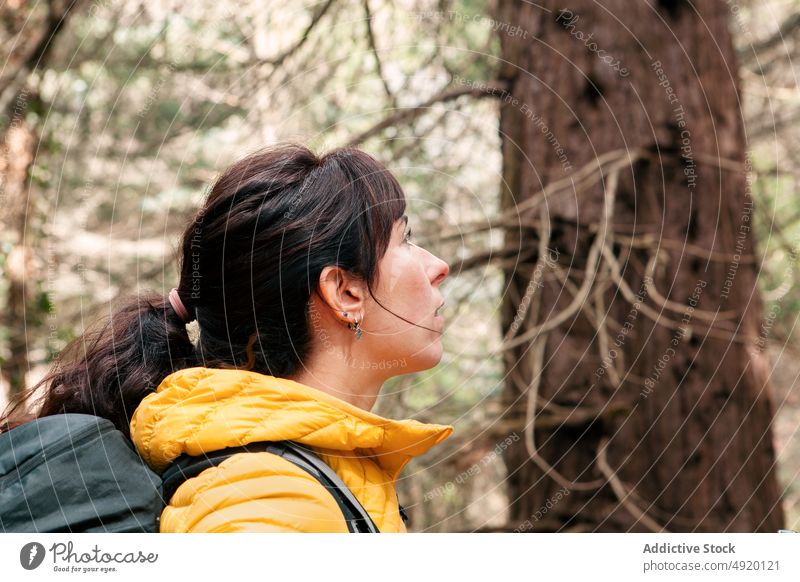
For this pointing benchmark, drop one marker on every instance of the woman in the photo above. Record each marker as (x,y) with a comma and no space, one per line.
(308,295)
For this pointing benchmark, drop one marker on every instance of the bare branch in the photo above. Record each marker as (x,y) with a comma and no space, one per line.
(787,30)
(411,113)
(539,335)
(373,47)
(664,303)
(659,318)
(278,61)
(621,491)
(592,266)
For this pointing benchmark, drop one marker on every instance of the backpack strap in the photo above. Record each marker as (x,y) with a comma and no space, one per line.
(354,512)
(187,466)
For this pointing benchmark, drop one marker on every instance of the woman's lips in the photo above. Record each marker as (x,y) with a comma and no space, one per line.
(437,317)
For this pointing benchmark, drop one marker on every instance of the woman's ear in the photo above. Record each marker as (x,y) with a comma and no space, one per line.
(342,291)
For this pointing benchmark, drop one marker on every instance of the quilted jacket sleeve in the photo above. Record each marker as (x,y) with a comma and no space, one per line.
(253,492)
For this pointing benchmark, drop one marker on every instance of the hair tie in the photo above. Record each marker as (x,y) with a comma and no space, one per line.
(177,305)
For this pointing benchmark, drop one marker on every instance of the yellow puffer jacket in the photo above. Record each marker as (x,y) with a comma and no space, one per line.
(198,410)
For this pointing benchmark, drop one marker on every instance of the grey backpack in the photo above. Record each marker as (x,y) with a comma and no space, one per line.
(78,473)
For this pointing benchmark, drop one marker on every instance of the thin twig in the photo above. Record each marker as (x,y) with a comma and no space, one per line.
(591,269)
(537,356)
(602,337)
(621,492)
(315,18)
(409,114)
(659,318)
(652,290)
(576,183)
(650,240)
(374,48)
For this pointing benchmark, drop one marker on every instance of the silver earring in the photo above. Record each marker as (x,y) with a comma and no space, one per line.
(357,327)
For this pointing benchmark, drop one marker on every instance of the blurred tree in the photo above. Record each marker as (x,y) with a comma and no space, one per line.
(636,371)
(29,29)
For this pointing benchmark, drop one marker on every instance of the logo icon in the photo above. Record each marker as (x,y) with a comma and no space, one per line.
(31,555)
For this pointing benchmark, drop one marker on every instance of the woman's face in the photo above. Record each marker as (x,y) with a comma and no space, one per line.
(408,285)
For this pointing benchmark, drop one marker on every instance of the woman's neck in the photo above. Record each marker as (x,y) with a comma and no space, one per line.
(348,384)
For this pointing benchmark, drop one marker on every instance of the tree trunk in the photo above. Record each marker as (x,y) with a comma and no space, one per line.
(653,408)
(30,31)
(16,158)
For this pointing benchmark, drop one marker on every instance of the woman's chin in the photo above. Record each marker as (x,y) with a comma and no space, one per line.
(430,357)
(425,358)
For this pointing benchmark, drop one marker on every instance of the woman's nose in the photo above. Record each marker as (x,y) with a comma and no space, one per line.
(440,269)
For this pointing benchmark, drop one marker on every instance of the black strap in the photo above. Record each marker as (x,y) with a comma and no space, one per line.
(356,517)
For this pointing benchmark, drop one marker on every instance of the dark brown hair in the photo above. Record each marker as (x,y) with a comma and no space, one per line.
(249,261)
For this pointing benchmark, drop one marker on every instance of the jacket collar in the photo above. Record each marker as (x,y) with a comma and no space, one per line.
(198,410)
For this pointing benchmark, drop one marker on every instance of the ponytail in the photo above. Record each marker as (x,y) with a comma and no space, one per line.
(110,368)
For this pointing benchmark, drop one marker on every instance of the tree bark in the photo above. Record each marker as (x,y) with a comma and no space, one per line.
(29,30)
(16,158)
(654,410)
